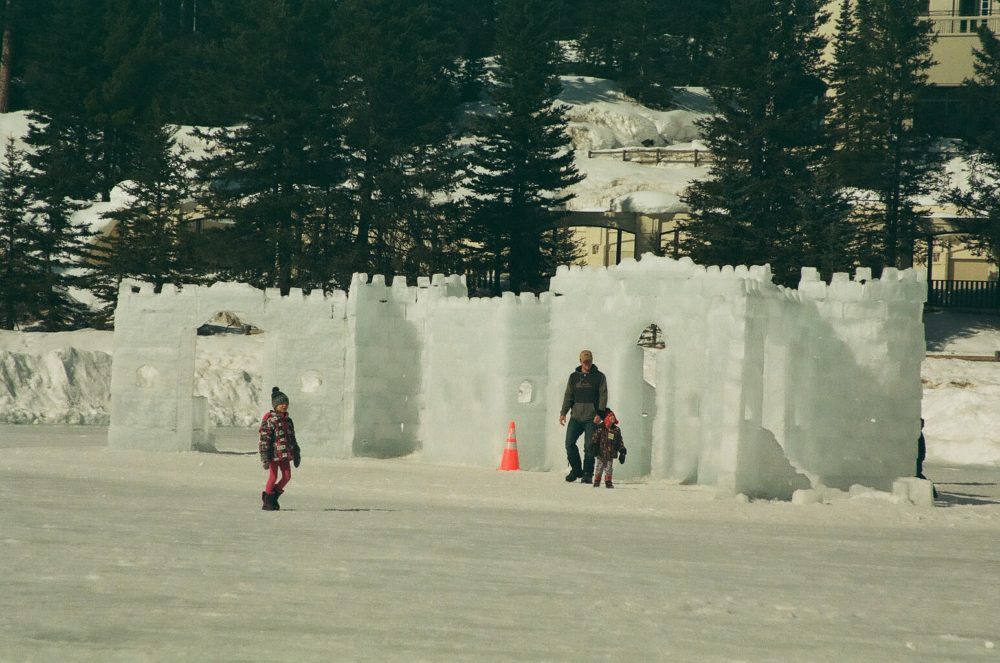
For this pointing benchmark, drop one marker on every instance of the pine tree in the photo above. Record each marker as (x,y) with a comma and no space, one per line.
(274,178)
(8,24)
(883,54)
(149,241)
(981,198)
(56,182)
(398,60)
(61,69)
(648,45)
(523,160)
(208,81)
(97,66)
(62,60)
(474,26)
(631,41)
(20,270)
(24,24)
(132,53)
(770,197)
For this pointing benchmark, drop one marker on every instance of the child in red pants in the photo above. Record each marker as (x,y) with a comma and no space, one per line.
(277,448)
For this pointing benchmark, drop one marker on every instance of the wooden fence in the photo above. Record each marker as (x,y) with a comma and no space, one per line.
(964,294)
(654,155)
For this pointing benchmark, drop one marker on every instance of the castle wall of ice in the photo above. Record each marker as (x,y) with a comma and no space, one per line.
(152,374)
(759,389)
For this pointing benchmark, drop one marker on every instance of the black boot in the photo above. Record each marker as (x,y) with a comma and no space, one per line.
(267,500)
(574,474)
(274,498)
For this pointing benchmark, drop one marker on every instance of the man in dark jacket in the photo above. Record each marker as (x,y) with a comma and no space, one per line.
(585,400)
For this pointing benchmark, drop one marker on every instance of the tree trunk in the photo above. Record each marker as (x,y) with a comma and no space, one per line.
(5,61)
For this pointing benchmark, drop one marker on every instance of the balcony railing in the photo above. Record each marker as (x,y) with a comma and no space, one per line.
(946,23)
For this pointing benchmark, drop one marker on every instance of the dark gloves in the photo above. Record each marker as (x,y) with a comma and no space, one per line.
(296,459)
(266,464)
(621,456)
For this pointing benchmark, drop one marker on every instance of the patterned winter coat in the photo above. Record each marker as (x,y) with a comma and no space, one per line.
(277,438)
(607,442)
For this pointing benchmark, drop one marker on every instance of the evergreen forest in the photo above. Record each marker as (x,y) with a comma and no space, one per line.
(414,137)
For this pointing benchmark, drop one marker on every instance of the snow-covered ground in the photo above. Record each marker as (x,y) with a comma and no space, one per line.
(143,556)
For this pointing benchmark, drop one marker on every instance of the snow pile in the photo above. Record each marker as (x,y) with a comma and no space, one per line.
(54,378)
(228,370)
(960,410)
(905,490)
(626,186)
(601,116)
(960,397)
(65,377)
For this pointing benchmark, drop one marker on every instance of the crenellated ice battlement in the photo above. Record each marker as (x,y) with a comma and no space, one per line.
(758,388)
(908,285)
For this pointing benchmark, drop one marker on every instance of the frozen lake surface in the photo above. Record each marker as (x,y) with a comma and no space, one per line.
(138,556)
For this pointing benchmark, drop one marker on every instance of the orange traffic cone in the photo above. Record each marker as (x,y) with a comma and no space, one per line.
(510,460)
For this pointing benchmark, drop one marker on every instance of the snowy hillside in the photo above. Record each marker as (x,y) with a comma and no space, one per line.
(602,117)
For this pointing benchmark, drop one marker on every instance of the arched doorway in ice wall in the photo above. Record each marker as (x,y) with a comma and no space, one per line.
(651,341)
(229,363)
(634,377)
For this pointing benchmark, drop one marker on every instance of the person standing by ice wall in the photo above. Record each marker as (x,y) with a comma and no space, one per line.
(278,447)
(585,400)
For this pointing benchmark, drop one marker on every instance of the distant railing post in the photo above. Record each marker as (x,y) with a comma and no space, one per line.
(696,158)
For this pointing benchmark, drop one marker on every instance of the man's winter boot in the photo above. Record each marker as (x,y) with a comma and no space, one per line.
(609,484)
(586,479)
(573,475)
(274,498)
(268,502)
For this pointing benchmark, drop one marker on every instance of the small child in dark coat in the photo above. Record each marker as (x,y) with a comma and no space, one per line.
(278,449)
(607,444)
